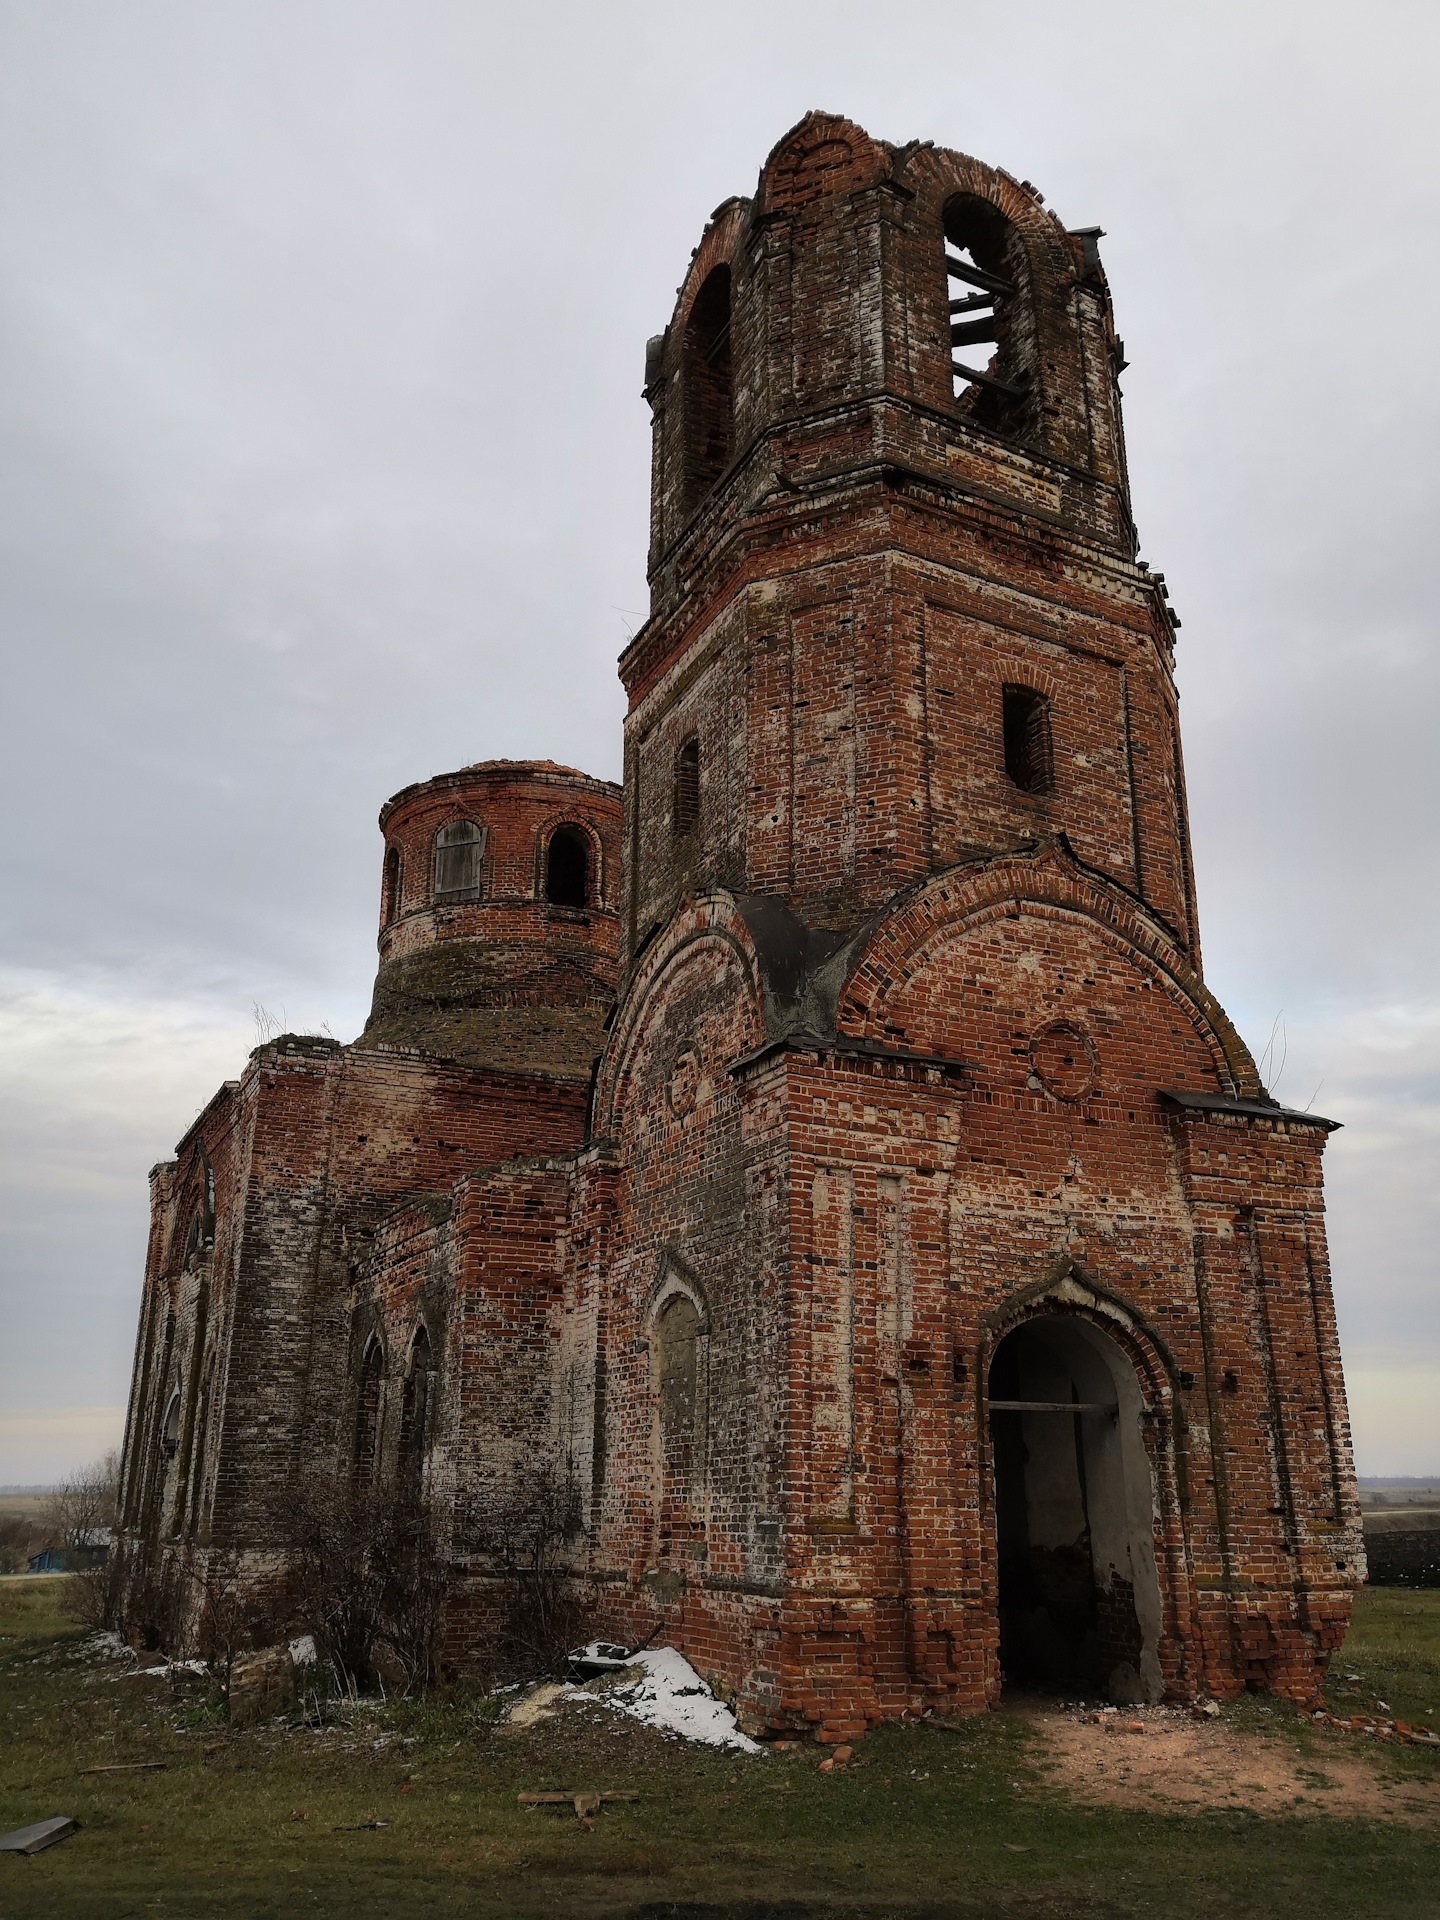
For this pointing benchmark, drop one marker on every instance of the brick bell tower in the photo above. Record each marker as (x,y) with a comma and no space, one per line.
(961,1302)
(896,609)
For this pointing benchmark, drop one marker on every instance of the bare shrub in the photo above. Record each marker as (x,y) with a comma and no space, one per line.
(531,1529)
(80,1512)
(368,1578)
(20,1535)
(231,1610)
(140,1592)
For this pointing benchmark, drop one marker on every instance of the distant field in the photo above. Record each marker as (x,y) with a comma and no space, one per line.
(25,1506)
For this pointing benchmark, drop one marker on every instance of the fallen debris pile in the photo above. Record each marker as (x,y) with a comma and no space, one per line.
(1397,1732)
(656,1686)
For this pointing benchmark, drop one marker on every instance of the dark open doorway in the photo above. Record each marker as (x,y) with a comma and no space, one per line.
(1074,1514)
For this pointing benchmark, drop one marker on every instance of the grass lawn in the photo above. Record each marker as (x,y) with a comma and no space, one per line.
(930,1822)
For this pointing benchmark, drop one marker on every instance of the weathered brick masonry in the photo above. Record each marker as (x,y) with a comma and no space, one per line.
(922,1290)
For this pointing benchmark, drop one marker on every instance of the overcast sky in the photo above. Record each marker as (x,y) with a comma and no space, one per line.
(324,467)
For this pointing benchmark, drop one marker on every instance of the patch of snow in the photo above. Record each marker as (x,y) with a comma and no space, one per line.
(672,1697)
(302,1650)
(107,1645)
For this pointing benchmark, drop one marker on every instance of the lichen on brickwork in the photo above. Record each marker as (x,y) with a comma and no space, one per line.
(819,1165)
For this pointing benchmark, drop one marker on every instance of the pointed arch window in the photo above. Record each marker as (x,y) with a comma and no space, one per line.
(708,387)
(680,1391)
(367,1415)
(567,868)
(170,1432)
(458,848)
(415,1408)
(686,815)
(986,366)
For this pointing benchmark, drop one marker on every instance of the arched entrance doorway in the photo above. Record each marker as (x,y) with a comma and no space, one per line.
(1074,1514)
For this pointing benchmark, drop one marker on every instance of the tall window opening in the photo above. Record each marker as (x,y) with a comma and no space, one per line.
(200,1448)
(458,848)
(390,904)
(677,1334)
(367,1415)
(687,785)
(567,868)
(1028,757)
(708,391)
(987,371)
(415,1409)
(170,1432)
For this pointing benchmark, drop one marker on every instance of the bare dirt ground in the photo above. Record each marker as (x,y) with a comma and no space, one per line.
(1181,1763)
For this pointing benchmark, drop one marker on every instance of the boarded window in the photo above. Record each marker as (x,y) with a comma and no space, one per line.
(987,356)
(708,394)
(687,785)
(367,1415)
(390,905)
(458,848)
(1028,758)
(567,868)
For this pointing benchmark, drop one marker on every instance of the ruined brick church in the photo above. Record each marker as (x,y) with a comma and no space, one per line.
(823,1152)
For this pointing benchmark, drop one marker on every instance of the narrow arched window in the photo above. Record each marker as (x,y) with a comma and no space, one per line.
(677,1335)
(1029,760)
(458,848)
(987,366)
(708,393)
(687,785)
(390,904)
(170,1432)
(367,1415)
(415,1408)
(198,1452)
(567,868)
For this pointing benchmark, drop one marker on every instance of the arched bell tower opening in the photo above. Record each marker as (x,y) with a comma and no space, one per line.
(1079,1594)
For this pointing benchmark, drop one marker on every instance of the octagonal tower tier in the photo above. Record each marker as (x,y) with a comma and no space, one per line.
(499,922)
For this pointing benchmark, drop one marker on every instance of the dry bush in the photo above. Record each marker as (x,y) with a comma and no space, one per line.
(20,1535)
(531,1529)
(367,1577)
(83,1504)
(140,1592)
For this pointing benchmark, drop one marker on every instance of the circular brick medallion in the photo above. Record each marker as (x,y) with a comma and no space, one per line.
(1062,1061)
